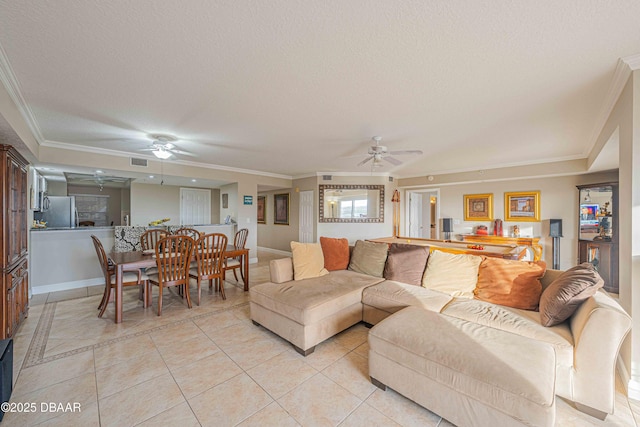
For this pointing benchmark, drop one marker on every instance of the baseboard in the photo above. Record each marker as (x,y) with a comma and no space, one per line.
(65,286)
(253,260)
(274,251)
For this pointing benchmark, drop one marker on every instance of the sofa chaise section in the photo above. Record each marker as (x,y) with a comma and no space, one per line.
(307,312)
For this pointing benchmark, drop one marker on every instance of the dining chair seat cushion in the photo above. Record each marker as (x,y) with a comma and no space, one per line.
(128,276)
(151,270)
(153,277)
(232,263)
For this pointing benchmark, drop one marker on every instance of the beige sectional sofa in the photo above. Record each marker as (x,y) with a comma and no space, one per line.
(586,346)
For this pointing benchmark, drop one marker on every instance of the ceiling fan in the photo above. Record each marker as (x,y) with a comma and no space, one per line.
(163,147)
(378,153)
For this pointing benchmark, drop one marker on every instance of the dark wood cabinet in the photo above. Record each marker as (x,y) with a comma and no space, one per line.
(14,306)
(598,230)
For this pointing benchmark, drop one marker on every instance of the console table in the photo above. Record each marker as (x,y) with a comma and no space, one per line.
(532,242)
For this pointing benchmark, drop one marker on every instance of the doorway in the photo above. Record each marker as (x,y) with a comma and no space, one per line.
(423,210)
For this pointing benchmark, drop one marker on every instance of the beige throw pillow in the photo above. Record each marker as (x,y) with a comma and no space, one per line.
(308,261)
(453,274)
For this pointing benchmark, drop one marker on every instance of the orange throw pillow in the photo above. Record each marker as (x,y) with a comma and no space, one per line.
(336,253)
(510,283)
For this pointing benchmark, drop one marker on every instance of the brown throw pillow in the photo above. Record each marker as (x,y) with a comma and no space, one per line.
(336,253)
(406,263)
(368,258)
(510,283)
(565,294)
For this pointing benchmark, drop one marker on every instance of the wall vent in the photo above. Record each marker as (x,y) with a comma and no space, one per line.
(390,179)
(138,162)
(326,177)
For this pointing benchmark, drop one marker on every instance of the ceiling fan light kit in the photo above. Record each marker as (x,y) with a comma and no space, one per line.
(161,153)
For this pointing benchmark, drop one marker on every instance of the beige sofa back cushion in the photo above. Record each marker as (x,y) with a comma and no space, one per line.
(453,274)
(308,261)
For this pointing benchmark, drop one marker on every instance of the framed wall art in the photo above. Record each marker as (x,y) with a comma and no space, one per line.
(478,207)
(522,206)
(262,210)
(281,209)
(225,201)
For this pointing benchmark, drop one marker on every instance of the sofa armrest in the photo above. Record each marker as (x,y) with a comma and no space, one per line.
(598,326)
(281,270)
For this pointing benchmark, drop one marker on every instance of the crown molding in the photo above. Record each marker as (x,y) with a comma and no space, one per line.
(353,173)
(11,84)
(624,67)
(96,150)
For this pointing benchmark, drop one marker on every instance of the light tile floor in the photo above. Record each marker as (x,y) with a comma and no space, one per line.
(205,366)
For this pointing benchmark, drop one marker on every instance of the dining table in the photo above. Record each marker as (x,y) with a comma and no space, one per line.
(125,261)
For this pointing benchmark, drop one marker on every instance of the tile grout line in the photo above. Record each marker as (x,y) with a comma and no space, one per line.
(41,359)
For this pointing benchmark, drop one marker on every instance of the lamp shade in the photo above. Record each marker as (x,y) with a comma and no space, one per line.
(447,225)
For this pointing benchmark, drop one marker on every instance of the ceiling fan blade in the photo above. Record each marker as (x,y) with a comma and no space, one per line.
(365,160)
(184,153)
(393,161)
(147,149)
(396,153)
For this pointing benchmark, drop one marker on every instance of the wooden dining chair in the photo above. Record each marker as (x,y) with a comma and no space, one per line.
(129,278)
(210,250)
(173,257)
(239,241)
(150,238)
(186,231)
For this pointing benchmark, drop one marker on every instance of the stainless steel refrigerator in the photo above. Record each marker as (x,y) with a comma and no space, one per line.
(60,211)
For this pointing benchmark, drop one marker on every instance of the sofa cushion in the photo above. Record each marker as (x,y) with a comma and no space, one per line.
(336,253)
(311,300)
(368,258)
(565,294)
(308,261)
(406,263)
(525,323)
(453,274)
(392,296)
(511,283)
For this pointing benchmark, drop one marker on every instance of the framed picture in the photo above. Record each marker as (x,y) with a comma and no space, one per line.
(522,206)
(281,209)
(262,210)
(225,201)
(478,207)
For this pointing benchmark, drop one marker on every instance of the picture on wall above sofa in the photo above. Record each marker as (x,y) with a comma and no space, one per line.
(522,206)
(478,207)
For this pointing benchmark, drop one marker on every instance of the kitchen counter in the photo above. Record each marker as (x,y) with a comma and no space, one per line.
(72,228)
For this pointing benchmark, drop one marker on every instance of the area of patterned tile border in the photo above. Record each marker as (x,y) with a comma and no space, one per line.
(38,357)
(40,336)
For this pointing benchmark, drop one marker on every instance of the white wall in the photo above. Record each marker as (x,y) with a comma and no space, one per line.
(232,208)
(150,202)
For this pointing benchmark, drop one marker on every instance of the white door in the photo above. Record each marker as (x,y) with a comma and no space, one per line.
(415,215)
(422,213)
(305,227)
(195,206)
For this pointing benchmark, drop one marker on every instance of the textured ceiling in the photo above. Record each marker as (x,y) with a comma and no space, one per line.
(294,87)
